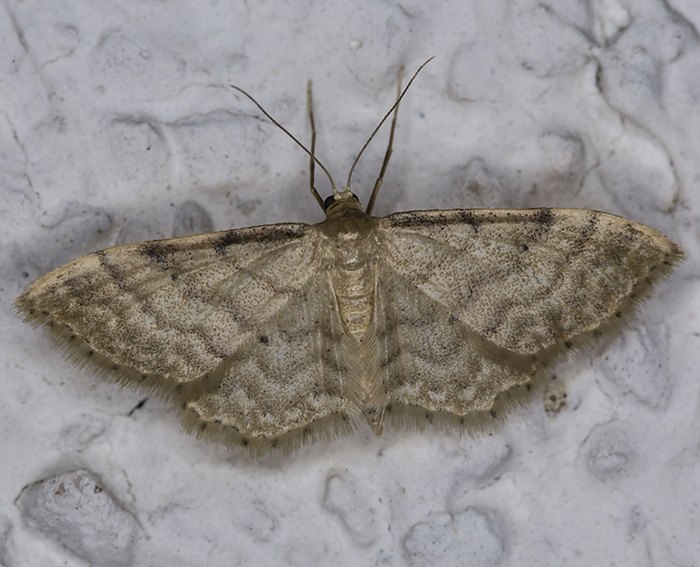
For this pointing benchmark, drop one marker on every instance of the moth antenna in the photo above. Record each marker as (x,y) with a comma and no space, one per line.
(389,147)
(381,123)
(293,137)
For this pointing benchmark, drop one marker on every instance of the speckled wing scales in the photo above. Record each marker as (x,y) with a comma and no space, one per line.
(169,311)
(434,362)
(480,300)
(284,386)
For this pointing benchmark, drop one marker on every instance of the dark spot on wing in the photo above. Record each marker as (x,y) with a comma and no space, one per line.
(542,220)
(469,218)
(544,217)
(227,239)
(421,218)
(256,234)
(586,232)
(109,268)
(159,252)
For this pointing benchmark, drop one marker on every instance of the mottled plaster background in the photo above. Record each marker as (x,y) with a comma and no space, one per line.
(117,124)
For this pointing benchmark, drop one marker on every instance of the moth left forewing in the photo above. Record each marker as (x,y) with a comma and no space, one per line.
(533,279)
(165,312)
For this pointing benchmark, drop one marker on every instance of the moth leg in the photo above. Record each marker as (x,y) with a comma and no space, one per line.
(389,148)
(312,161)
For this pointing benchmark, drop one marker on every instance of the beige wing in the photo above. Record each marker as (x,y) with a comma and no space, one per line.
(284,386)
(526,280)
(431,360)
(169,311)
(478,301)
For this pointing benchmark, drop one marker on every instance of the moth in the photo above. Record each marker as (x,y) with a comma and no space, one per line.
(272,336)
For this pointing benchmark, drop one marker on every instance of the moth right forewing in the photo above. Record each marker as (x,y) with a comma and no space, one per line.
(526,280)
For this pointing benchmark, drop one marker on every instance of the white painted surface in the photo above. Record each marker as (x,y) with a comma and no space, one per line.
(117,124)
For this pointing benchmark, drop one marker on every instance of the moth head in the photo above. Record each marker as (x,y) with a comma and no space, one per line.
(341,202)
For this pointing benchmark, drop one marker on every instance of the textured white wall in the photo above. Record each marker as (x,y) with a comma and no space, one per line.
(117,124)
